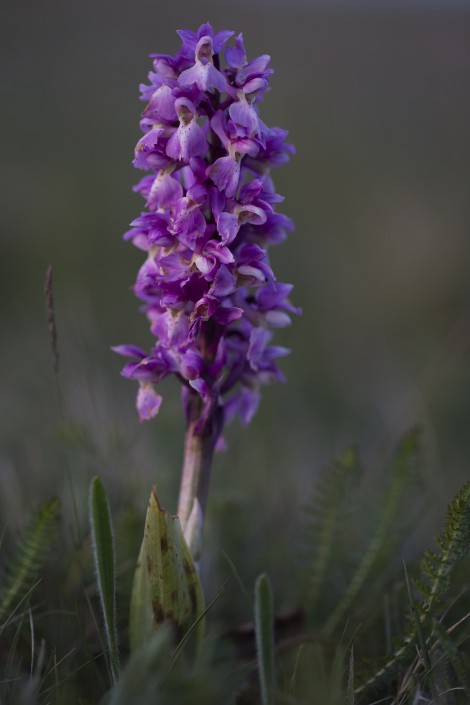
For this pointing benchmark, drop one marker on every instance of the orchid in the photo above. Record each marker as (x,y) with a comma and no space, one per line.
(207,285)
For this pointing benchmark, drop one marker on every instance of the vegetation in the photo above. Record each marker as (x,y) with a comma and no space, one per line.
(351,588)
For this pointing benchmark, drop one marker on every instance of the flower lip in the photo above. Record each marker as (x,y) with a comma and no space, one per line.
(148,401)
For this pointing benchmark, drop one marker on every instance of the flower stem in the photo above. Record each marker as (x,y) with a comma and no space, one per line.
(196,474)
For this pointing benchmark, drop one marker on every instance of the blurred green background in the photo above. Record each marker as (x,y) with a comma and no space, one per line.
(377,102)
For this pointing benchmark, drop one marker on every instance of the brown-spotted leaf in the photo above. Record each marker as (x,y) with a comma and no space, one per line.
(166,584)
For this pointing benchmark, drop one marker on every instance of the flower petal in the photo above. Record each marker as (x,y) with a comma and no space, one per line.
(148,402)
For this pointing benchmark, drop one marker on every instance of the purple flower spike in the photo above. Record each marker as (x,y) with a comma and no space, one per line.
(207,286)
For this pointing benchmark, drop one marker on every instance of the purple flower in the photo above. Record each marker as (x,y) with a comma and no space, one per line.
(204,73)
(189,139)
(191,39)
(207,287)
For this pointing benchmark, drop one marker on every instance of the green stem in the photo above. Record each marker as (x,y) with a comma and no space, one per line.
(195,477)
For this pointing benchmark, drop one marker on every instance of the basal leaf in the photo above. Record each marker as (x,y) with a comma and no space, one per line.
(166,584)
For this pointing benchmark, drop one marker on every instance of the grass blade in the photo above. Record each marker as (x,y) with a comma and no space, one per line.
(264,628)
(103,555)
(239,581)
(351,696)
(180,646)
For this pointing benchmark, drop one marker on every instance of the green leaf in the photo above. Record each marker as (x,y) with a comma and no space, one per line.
(31,552)
(140,679)
(103,555)
(166,585)
(325,516)
(454,544)
(453,656)
(437,569)
(403,468)
(264,628)
(180,646)
(423,647)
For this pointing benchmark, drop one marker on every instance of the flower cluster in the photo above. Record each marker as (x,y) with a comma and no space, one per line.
(207,286)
